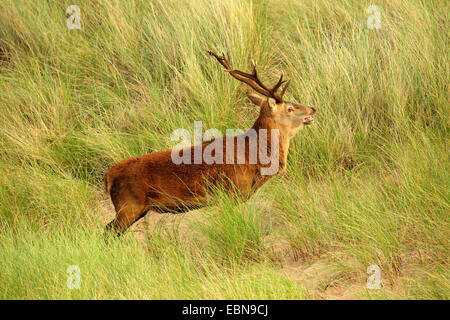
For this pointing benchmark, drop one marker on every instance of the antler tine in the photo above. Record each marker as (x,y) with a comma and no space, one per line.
(222,60)
(239,75)
(273,90)
(279,83)
(284,88)
(252,79)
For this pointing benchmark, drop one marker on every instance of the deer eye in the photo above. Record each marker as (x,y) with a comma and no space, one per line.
(290,109)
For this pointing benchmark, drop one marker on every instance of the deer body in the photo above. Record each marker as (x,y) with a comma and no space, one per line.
(155,182)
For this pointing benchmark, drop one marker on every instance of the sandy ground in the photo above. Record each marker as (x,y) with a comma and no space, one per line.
(317,277)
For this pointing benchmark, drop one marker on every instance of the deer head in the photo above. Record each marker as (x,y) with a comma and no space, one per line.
(286,116)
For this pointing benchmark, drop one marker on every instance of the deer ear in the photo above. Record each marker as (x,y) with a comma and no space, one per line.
(272,104)
(255,98)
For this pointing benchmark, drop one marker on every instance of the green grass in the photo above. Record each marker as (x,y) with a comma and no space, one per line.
(368,183)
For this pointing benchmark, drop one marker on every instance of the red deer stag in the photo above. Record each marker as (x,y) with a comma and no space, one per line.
(156,182)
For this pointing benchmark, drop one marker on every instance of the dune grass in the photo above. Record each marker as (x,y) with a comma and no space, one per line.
(367,184)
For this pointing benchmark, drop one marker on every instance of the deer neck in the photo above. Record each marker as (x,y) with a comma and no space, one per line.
(283,142)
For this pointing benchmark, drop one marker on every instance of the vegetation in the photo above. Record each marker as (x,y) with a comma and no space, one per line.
(367,184)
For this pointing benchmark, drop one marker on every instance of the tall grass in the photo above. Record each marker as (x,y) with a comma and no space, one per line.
(366,184)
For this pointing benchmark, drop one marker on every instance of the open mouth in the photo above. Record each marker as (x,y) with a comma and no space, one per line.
(308,120)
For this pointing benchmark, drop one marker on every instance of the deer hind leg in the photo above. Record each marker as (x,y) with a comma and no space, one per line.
(127,213)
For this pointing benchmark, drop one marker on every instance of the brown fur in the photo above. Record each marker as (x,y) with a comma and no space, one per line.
(154,182)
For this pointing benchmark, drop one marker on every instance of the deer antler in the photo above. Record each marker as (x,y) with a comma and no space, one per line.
(253,80)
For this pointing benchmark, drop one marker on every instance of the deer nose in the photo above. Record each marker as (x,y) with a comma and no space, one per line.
(314,110)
